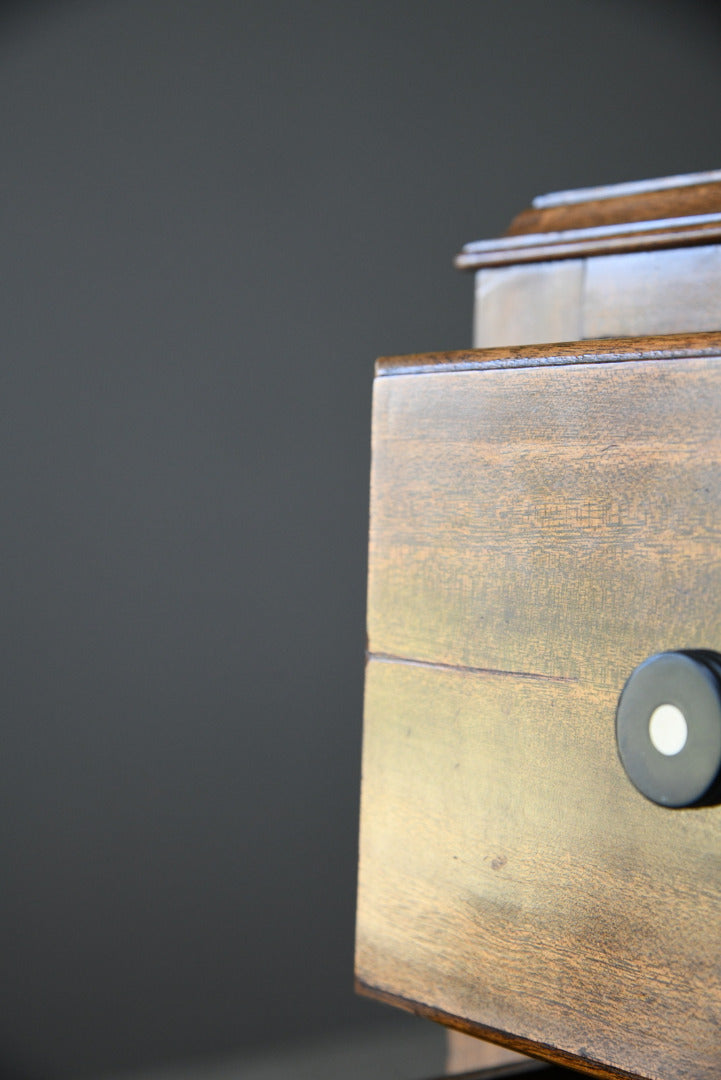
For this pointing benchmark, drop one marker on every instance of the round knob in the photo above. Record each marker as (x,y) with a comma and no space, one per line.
(668,726)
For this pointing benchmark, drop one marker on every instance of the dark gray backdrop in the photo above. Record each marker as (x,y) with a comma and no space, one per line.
(214,215)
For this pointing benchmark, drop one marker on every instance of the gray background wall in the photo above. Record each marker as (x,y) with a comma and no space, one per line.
(213,216)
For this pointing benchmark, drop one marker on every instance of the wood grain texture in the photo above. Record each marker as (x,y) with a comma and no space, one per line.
(512,877)
(545,521)
(631,217)
(536,532)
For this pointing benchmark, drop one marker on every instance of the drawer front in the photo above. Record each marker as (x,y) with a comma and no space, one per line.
(541,522)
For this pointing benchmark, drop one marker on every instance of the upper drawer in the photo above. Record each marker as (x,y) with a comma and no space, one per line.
(542,520)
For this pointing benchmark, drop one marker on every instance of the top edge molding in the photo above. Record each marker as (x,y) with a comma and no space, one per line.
(674,211)
(700,345)
(622,190)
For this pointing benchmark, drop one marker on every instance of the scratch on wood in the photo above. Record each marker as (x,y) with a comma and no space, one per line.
(389,658)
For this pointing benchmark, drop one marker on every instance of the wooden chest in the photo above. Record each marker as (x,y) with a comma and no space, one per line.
(545,518)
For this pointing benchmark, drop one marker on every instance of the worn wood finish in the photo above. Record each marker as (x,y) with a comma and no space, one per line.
(513,880)
(540,302)
(652,292)
(649,292)
(632,217)
(537,531)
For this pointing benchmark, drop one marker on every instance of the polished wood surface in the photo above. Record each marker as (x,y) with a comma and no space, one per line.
(629,217)
(617,204)
(541,521)
(569,354)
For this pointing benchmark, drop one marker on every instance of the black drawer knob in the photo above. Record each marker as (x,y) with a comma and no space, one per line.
(668,727)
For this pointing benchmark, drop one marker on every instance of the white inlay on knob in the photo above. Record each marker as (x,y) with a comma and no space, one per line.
(668,730)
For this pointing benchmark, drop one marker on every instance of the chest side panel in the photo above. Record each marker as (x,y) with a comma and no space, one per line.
(535,534)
